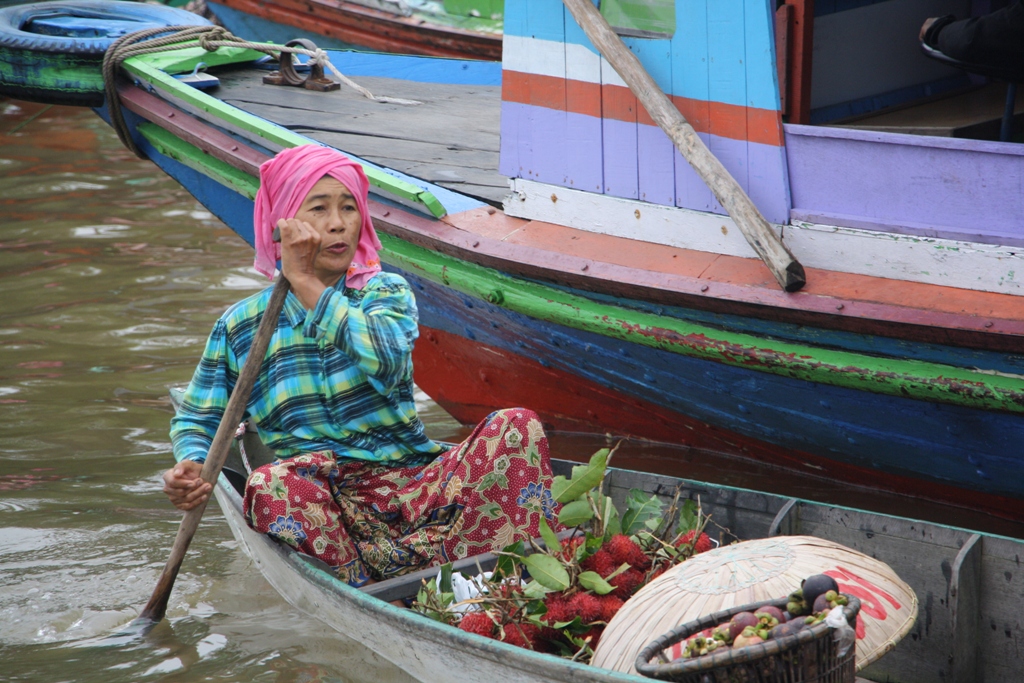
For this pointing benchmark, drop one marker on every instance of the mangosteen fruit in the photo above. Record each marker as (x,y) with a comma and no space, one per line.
(747,637)
(787,629)
(739,622)
(770,610)
(815,585)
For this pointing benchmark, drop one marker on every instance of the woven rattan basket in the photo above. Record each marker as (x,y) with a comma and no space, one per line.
(753,572)
(808,656)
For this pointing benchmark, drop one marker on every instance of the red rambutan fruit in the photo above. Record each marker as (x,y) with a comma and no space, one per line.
(626,582)
(478,623)
(624,549)
(520,635)
(610,604)
(702,545)
(586,606)
(600,562)
(558,608)
(620,547)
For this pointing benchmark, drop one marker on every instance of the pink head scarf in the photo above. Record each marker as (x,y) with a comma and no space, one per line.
(286,179)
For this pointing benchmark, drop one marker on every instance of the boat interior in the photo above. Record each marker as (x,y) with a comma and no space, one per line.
(868,70)
(738,514)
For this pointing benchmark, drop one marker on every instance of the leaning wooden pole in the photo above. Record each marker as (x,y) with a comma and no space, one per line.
(155,609)
(784,266)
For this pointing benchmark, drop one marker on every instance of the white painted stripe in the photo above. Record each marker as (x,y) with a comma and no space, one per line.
(555,59)
(967,265)
(627,218)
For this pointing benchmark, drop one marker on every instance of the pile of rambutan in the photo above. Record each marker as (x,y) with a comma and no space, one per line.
(558,593)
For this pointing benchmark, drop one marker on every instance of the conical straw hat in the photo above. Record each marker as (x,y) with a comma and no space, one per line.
(756,571)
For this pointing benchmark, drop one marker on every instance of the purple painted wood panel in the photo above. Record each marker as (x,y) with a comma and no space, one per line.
(621,178)
(768,181)
(655,166)
(913,184)
(542,157)
(585,159)
(539,134)
(691,191)
(510,145)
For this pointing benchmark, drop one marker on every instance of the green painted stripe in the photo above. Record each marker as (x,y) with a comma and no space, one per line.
(174,147)
(152,69)
(898,377)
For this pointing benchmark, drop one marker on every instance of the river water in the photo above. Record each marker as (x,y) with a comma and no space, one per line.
(110,278)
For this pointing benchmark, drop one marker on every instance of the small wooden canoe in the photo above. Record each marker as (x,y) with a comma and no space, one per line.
(969,586)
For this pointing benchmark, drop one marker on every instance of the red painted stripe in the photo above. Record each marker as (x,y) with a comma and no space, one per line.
(471,380)
(617,102)
(373,28)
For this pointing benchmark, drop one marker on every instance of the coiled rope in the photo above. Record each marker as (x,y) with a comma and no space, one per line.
(209,38)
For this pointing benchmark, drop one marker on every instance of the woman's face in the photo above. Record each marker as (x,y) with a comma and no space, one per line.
(332,211)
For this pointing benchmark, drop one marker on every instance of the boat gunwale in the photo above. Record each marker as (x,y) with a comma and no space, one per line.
(442,634)
(769,303)
(982,332)
(933,534)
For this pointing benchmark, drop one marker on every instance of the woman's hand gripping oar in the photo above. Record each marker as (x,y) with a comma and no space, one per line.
(154,610)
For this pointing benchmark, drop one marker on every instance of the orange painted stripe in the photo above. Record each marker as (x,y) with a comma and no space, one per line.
(617,102)
(582,97)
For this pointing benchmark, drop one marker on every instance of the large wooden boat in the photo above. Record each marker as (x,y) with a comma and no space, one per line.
(968,585)
(465,29)
(610,292)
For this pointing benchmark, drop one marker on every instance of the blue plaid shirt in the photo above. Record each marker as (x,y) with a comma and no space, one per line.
(338,377)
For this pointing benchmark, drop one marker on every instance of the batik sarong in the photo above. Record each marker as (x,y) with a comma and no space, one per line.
(374,521)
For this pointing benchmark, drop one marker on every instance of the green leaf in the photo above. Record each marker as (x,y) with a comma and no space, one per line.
(575,513)
(535,590)
(689,519)
(610,515)
(547,571)
(581,552)
(622,567)
(551,541)
(593,581)
(640,508)
(575,627)
(584,478)
(559,485)
(445,586)
(506,565)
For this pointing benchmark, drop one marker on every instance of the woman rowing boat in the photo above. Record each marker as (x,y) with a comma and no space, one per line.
(358,484)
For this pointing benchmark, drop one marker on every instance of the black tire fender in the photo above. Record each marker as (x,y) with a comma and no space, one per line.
(16,20)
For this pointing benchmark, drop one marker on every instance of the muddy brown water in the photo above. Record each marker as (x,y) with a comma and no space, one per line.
(110,278)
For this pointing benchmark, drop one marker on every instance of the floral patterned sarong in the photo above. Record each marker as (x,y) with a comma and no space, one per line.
(369,520)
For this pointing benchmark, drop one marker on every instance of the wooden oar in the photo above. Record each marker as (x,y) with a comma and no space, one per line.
(154,610)
(784,266)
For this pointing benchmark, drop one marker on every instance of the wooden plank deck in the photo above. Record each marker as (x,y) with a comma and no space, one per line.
(974,113)
(451,139)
